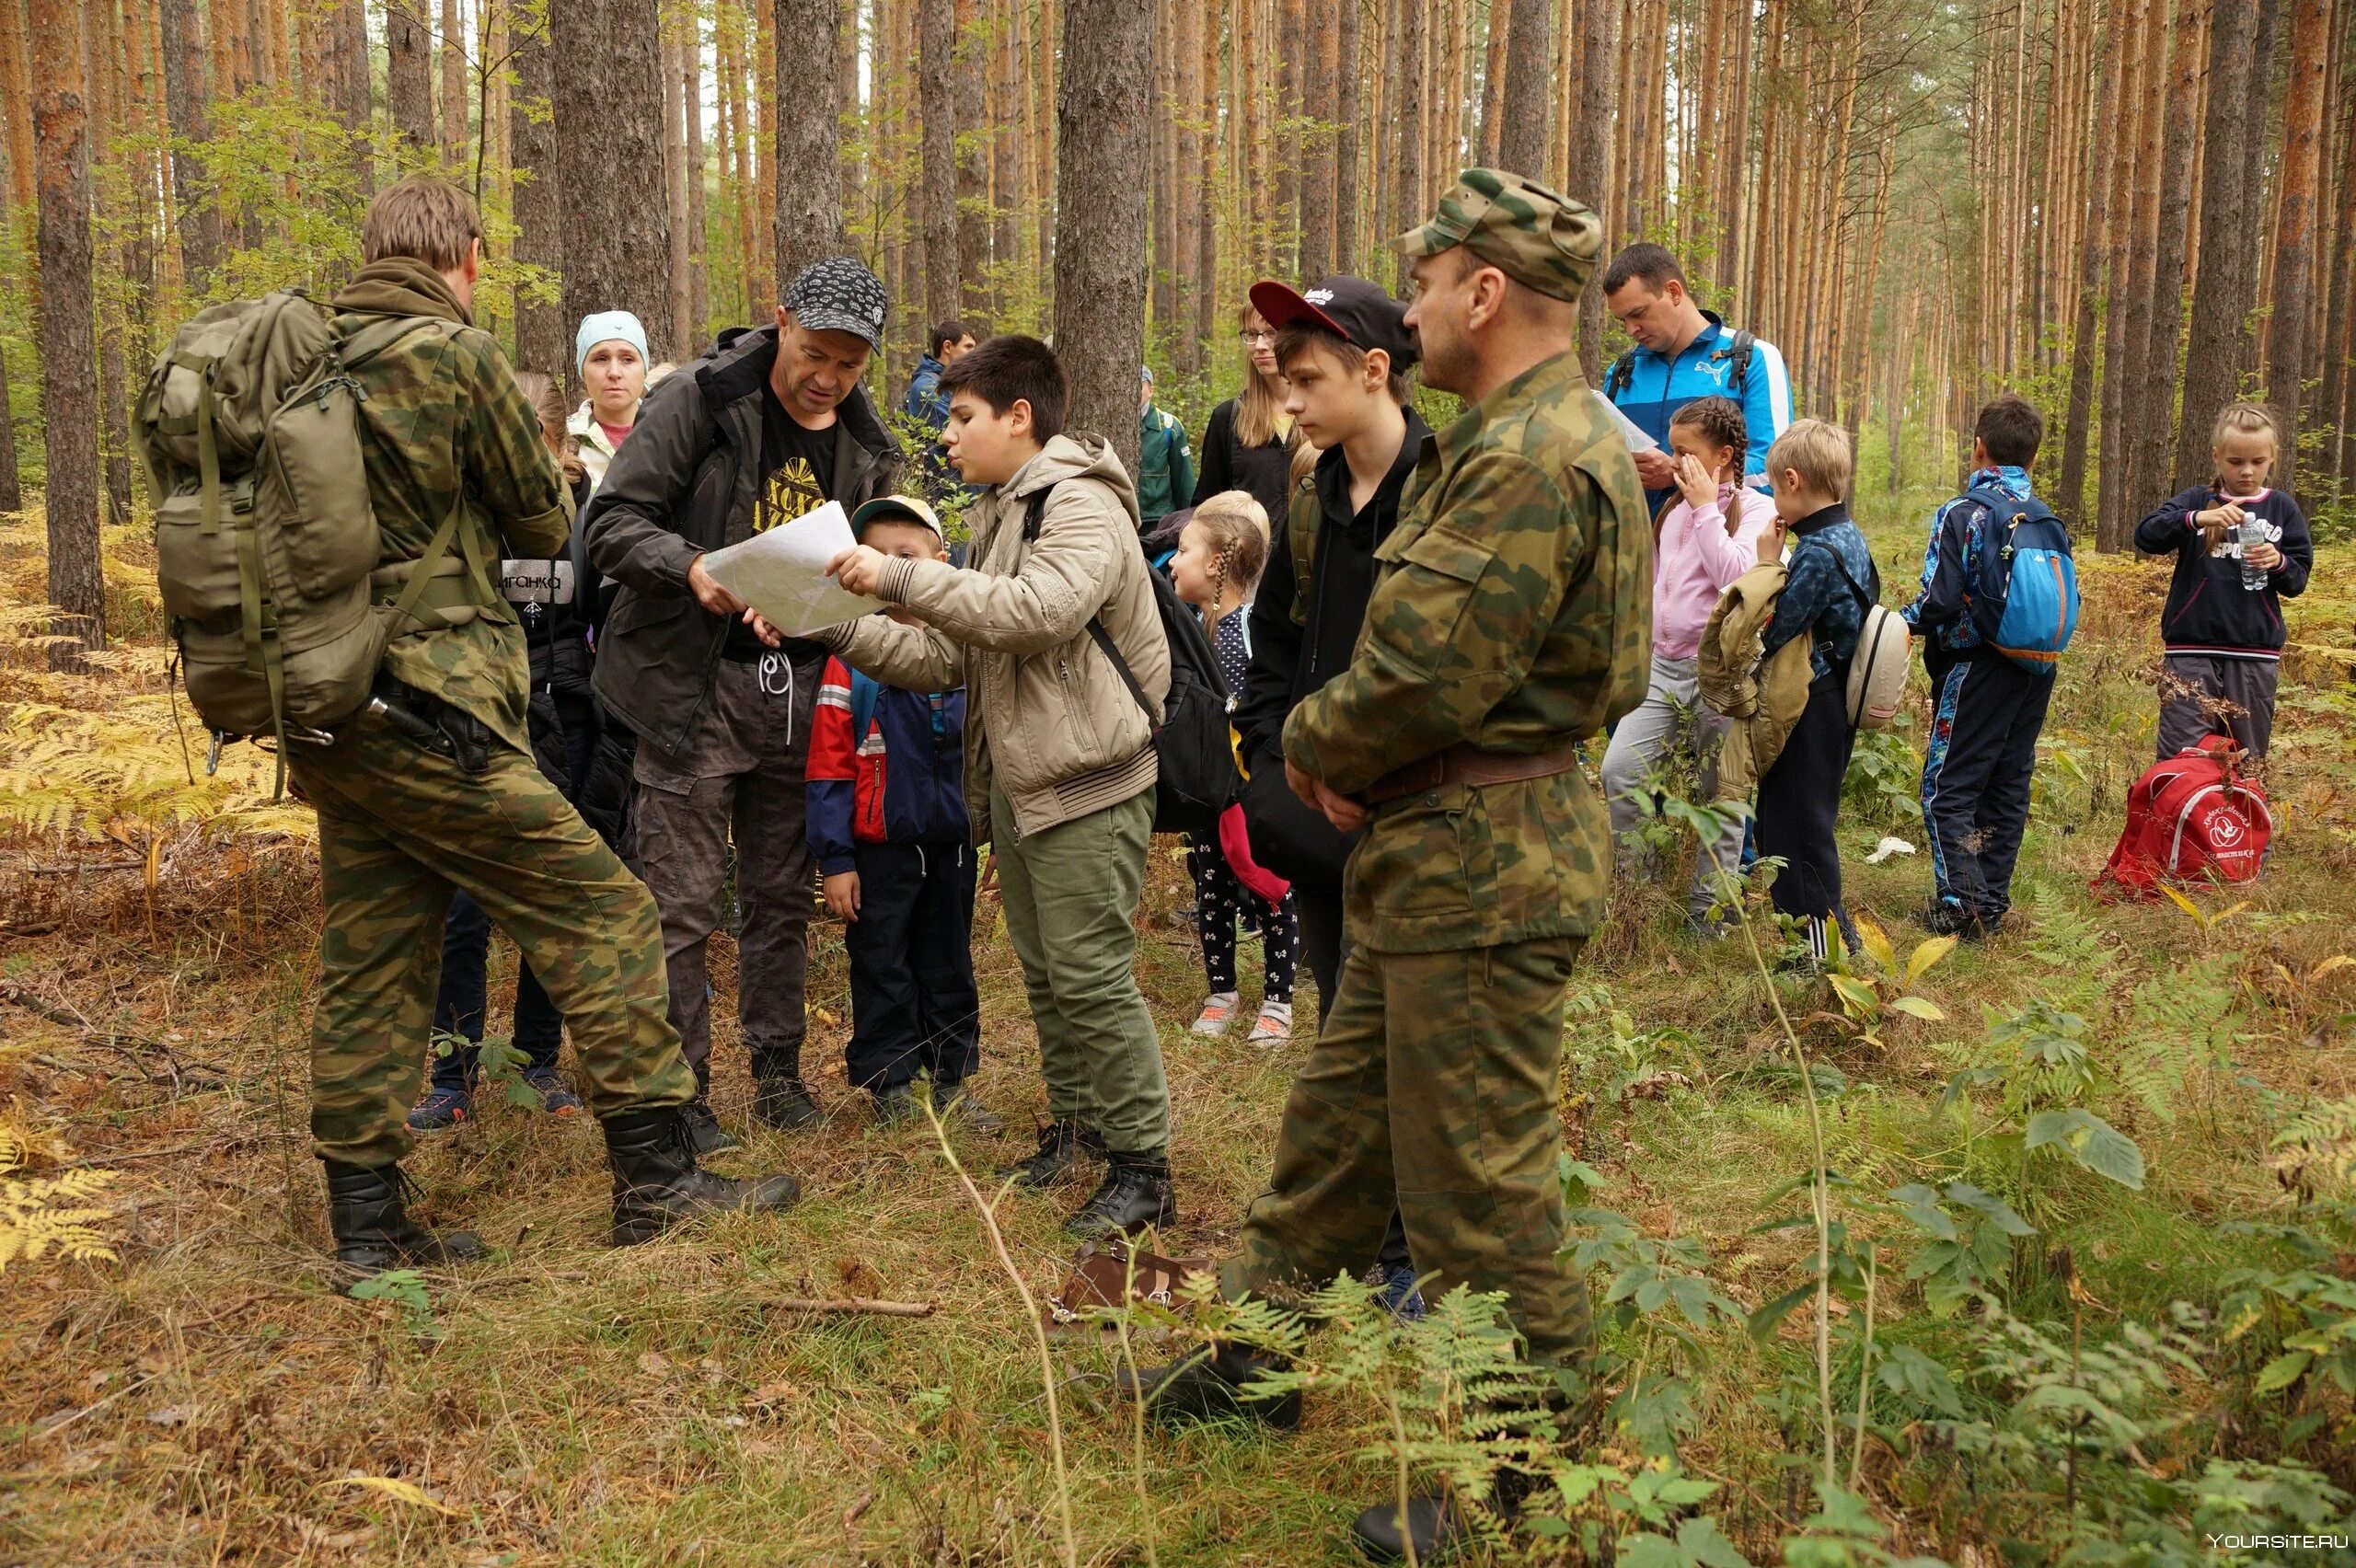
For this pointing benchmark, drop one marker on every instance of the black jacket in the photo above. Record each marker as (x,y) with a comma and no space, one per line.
(2208,610)
(690,471)
(1291,659)
(1228,464)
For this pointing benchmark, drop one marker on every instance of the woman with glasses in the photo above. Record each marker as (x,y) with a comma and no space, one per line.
(1248,445)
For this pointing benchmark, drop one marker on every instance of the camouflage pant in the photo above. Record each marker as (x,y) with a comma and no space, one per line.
(1432,1080)
(400,827)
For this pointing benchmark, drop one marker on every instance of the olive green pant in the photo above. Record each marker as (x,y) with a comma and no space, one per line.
(1070,894)
(1432,1085)
(400,827)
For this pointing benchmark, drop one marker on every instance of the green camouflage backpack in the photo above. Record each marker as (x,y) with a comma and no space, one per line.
(267,548)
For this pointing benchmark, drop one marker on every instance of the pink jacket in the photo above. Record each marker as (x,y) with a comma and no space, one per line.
(1696,561)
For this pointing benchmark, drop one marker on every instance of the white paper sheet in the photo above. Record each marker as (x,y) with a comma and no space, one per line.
(781,573)
(1637,440)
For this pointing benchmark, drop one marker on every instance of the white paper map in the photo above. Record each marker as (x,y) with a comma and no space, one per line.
(781,573)
(1637,440)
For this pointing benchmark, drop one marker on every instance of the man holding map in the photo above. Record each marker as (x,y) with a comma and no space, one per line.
(770,425)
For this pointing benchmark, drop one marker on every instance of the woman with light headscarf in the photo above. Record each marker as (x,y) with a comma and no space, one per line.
(609,355)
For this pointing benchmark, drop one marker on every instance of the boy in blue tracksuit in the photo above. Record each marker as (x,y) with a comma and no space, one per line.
(887,825)
(1683,354)
(1987,709)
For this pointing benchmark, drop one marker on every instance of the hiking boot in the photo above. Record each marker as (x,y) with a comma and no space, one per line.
(1061,1144)
(1948,917)
(704,1129)
(783,1103)
(1135,1193)
(1208,1386)
(1440,1525)
(556,1097)
(894,1105)
(657,1182)
(372,1230)
(957,1105)
(441,1110)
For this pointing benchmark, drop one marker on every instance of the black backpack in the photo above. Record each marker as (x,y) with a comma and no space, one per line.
(1190,737)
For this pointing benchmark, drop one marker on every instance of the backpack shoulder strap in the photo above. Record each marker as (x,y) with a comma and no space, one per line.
(1302,524)
(1103,641)
(1616,380)
(1739,352)
(865,691)
(1034,512)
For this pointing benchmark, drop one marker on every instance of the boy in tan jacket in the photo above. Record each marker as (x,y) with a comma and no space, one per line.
(1060,762)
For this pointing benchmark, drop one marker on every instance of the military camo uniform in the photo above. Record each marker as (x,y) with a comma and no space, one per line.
(402,826)
(1512,615)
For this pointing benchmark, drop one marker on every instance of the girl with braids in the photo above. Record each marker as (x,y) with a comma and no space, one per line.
(1250,442)
(1709,537)
(1221,552)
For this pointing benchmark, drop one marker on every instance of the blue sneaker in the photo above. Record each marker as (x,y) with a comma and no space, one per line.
(441,1110)
(556,1097)
(1399,1294)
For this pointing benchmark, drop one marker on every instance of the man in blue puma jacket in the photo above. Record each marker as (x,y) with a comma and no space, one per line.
(1684,352)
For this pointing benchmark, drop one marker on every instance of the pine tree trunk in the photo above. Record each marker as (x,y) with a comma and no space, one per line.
(1006,161)
(12,492)
(675,178)
(764,98)
(451,111)
(541,342)
(1317,151)
(1590,176)
(808,145)
(1522,138)
(2119,318)
(68,356)
(937,115)
(2155,429)
(1188,191)
(972,154)
(185,79)
(2093,244)
(2339,457)
(2288,332)
(349,23)
(608,113)
(1207,304)
(17,80)
(1101,222)
(1493,81)
(1410,116)
(2227,284)
(408,72)
(1347,102)
(690,66)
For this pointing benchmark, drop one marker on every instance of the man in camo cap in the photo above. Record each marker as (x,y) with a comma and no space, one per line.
(1511,621)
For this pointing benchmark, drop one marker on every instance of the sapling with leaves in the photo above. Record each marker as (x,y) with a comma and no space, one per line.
(2038,1060)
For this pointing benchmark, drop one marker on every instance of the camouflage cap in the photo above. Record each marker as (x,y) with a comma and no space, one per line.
(1540,239)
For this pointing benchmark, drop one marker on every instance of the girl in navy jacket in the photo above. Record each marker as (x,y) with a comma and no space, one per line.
(2222,625)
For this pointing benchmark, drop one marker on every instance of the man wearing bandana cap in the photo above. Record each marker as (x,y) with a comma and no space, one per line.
(1510,622)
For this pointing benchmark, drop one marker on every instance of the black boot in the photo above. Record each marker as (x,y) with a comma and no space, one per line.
(657,1182)
(704,1129)
(1439,1524)
(782,1101)
(1061,1144)
(1208,1386)
(373,1229)
(1135,1193)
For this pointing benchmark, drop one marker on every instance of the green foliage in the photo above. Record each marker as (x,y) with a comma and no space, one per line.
(1883,788)
(2038,1059)
(406,1289)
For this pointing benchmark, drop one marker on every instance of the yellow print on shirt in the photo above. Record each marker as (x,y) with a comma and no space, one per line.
(792,489)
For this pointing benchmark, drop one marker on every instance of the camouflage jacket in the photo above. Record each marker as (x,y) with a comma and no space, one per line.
(1514,614)
(442,413)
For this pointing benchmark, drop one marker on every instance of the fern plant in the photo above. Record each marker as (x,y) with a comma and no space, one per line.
(41,1215)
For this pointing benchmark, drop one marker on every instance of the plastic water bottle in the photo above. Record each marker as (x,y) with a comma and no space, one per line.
(2252,533)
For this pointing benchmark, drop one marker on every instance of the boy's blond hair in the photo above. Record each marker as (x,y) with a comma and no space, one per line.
(1236,527)
(1817,451)
(427,219)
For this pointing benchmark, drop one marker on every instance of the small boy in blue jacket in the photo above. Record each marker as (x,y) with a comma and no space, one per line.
(1987,709)
(887,825)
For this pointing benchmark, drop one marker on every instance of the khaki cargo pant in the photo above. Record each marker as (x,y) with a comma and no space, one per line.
(400,828)
(1433,1085)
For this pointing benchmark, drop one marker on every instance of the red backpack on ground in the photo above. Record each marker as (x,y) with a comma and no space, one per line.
(2192,818)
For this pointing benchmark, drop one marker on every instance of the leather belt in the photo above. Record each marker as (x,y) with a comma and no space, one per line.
(1466,764)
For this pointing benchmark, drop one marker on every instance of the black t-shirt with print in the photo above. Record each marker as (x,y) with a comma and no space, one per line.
(800,465)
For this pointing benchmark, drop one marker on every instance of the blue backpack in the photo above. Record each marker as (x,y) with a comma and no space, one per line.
(2026,603)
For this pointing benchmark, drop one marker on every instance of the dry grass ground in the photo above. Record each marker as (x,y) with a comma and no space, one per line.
(208,1398)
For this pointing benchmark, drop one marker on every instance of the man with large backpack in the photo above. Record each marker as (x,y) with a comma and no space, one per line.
(425,783)
(1998,604)
(1684,352)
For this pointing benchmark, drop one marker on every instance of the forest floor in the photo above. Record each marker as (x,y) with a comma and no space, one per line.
(206,1396)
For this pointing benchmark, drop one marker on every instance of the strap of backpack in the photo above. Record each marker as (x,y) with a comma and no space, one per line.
(1034,512)
(1739,352)
(1103,641)
(421,571)
(1623,373)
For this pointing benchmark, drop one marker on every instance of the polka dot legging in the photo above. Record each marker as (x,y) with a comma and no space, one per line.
(1221,899)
